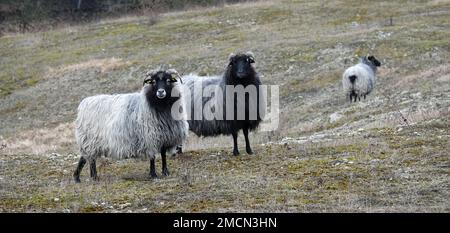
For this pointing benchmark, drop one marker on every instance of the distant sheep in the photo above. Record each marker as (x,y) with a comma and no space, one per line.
(239,71)
(132,125)
(359,80)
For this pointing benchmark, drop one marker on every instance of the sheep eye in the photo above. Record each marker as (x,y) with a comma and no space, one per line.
(173,80)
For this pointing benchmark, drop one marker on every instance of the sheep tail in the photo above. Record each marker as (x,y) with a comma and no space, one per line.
(352,78)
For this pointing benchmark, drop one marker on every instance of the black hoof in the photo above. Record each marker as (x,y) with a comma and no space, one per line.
(179,150)
(236,153)
(166,172)
(249,151)
(153,176)
(77,179)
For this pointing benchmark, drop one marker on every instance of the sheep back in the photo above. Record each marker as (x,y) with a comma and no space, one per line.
(125,126)
(214,127)
(363,83)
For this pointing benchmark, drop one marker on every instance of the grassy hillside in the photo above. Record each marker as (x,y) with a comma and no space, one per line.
(387,153)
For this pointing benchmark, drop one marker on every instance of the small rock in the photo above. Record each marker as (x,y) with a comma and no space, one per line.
(335,117)
(123,206)
(317,136)
(374,161)
(417,95)
(56,199)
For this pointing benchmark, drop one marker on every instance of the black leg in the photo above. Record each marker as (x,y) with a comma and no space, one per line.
(247,142)
(364,96)
(165,171)
(152,168)
(235,145)
(76,174)
(93,169)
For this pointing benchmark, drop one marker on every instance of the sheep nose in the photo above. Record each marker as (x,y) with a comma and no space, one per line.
(161,93)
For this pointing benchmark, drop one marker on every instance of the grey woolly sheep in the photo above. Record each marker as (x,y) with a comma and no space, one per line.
(132,125)
(239,72)
(359,80)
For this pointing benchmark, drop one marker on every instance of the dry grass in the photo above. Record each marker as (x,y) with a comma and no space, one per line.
(104,65)
(387,171)
(40,141)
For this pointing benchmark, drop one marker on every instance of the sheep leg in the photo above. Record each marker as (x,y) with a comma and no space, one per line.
(93,169)
(165,171)
(352,97)
(153,174)
(247,142)
(235,144)
(76,174)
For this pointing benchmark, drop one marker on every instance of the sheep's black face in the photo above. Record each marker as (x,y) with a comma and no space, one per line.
(160,87)
(374,61)
(241,65)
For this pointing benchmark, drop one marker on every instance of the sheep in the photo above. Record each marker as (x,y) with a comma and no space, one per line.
(133,125)
(359,80)
(239,72)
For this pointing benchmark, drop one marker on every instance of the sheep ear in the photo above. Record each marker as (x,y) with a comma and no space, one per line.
(146,80)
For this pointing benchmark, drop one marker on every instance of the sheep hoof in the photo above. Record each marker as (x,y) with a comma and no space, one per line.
(166,172)
(179,150)
(249,151)
(95,178)
(77,179)
(153,176)
(236,153)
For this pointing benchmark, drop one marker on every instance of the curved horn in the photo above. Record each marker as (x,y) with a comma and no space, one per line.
(173,71)
(250,54)
(231,56)
(151,73)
